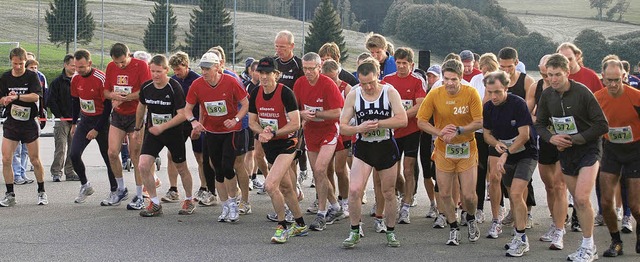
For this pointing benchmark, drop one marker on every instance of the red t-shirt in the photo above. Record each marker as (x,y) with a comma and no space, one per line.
(89,90)
(621,112)
(469,76)
(272,112)
(127,80)
(410,88)
(324,95)
(218,103)
(588,78)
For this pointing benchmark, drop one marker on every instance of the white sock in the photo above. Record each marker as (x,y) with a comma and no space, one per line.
(155,200)
(155,177)
(322,213)
(335,206)
(120,182)
(587,242)
(139,191)
(189,198)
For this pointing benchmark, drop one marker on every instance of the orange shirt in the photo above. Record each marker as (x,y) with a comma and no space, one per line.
(459,109)
(621,112)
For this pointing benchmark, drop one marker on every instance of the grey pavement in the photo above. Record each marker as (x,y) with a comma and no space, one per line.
(65,231)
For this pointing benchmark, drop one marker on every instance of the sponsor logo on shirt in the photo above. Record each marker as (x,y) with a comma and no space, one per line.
(122,80)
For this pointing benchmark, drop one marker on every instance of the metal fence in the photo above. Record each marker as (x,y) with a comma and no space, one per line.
(254,24)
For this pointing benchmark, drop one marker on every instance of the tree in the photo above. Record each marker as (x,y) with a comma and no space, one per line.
(594,46)
(347,17)
(325,28)
(155,36)
(600,5)
(60,20)
(210,26)
(620,8)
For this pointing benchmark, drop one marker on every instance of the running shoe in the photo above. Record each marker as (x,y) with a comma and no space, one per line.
(257,184)
(557,239)
(529,224)
(480,216)
(627,227)
(298,231)
(319,223)
(454,237)
(463,218)
(404,216)
(281,235)
(110,196)
(8,200)
(379,225)
(224,214)
(85,191)
(233,212)
(440,222)
(518,247)
(313,208)
(352,240)
(302,176)
(598,220)
(547,237)
(508,219)
(208,199)
(392,240)
(474,232)
(333,215)
(575,226)
(56,178)
(188,207)
(198,195)
(494,230)
(72,177)
(433,212)
(344,204)
(42,199)
(373,210)
(137,203)
(615,249)
(120,196)
(152,210)
(619,213)
(171,197)
(584,254)
(244,208)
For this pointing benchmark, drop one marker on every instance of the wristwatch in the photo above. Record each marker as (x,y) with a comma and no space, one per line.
(193,118)
(236,118)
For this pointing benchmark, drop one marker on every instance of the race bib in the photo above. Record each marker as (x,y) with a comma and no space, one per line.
(377,135)
(122,89)
(314,109)
(620,135)
(159,119)
(216,108)
(265,122)
(457,151)
(407,104)
(509,142)
(88,106)
(20,113)
(564,125)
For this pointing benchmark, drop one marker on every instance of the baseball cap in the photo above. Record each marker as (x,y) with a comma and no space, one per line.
(208,60)
(466,55)
(248,62)
(435,69)
(267,64)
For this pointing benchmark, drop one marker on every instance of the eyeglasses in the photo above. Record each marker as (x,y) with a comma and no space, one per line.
(309,68)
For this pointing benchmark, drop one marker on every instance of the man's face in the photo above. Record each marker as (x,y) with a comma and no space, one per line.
(544,75)
(379,54)
(451,82)
(17,64)
(70,67)
(432,79)
(311,70)
(267,78)
(558,77)
(253,73)
(209,73)
(468,66)
(612,78)
(573,60)
(404,67)
(83,67)
(122,61)
(158,73)
(497,92)
(33,67)
(181,71)
(508,66)
(331,74)
(368,82)
(284,49)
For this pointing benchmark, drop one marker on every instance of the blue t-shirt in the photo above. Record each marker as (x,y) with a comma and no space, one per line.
(634,81)
(245,119)
(504,120)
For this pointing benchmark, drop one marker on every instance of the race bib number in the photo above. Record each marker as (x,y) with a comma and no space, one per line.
(620,135)
(377,135)
(20,113)
(509,142)
(122,89)
(564,125)
(273,123)
(159,119)
(314,109)
(216,108)
(458,151)
(88,106)
(407,104)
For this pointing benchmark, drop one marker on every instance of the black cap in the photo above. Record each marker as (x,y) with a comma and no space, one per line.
(267,64)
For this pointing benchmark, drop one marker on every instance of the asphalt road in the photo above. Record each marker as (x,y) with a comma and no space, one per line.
(65,231)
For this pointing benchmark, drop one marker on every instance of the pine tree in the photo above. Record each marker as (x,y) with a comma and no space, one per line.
(325,28)
(154,39)
(60,20)
(210,26)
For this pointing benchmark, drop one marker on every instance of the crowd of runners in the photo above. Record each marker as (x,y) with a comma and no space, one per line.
(479,123)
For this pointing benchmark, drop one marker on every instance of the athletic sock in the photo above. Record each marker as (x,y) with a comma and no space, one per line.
(335,206)
(405,206)
(253,176)
(40,187)
(283,223)
(155,200)
(587,242)
(120,181)
(615,237)
(203,189)
(390,229)
(173,188)
(300,221)
(356,227)
(139,191)
(9,188)
(322,213)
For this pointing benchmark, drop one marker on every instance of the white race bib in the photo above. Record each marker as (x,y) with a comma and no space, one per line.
(458,151)
(314,109)
(564,125)
(273,123)
(407,104)
(122,89)
(20,113)
(509,142)
(377,135)
(216,108)
(159,119)
(620,135)
(88,106)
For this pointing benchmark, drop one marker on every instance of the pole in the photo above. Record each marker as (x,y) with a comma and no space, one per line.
(75,27)
(166,31)
(233,44)
(304,9)
(38,46)
(102,42)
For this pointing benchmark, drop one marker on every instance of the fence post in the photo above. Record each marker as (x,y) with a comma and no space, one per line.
(102,42)
(75,27)
(304,9)
(166,31)
(38,39)
(233,43)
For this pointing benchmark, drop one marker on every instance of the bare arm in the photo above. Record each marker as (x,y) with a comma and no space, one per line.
(140,111)
(530,92)
(329,114)
(347,114)
(413,111)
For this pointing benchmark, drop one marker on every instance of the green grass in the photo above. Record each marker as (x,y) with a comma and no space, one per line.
(568,8)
